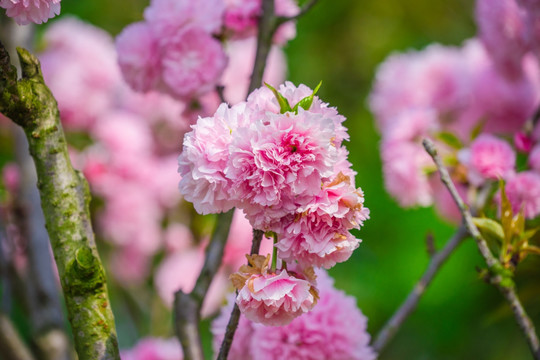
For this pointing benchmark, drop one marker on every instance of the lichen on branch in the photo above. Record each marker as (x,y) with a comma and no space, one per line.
(65,199)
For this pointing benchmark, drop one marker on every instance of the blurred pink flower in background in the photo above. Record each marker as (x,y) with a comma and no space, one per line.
(26,11)
(523,191)
(488,158)
(154,349)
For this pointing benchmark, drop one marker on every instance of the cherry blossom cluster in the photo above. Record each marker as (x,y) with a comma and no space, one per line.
(278,156)
(476,101)
(335,329)
(25,12)
(176,49)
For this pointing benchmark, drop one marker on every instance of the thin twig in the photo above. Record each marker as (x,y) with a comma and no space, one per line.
(235,314)
(498,276)
(407,307)
(303,10)
(187,307)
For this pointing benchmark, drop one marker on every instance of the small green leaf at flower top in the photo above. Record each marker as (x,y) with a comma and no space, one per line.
(282,101)
(306,102)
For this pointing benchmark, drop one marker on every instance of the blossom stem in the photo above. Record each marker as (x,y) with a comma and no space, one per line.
(65,199)
(274,253)
(235,314)
(407,307)
(497,276)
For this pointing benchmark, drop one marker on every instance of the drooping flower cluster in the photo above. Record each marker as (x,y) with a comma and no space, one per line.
(25,12)
(176,48)
(335,329)
(470,100)
(280,158)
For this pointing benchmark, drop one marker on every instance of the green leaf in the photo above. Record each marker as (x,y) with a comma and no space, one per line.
(450,139)
(507,214)
(477,129)
(282,101)
(532,250)
(490,229)
(306,102)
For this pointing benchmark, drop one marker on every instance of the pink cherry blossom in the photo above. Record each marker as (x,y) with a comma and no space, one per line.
(523,191)
(278,164)
(80,68)
(192,63)
(534,158)
(11,177)
(168,18)
(523,142)
(275,299)
(241,15)
(334,329)
(205,156)
(139,56)
(488,158)
(26,11)
(154,349)
(404,166)
(504,33)
(129,265)
(318,234)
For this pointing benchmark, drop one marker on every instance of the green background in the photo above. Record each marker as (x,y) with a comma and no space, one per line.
(341,43)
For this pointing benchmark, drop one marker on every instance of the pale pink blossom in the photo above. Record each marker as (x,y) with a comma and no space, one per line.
(534,158)
(488,158)
(168,18)
(26,11)
(436,77)
(412,125)
(205,156)
(504,32)
(286,31)
(275,299)
(154,349)
(237,75)
(178,238)
(139,56)
(241,16)
(79,67)
(404,167)
(335,329)
(523,191)
(180,270)
(318,234)
(192,63)
(523,142)
(278,164)
(129,266)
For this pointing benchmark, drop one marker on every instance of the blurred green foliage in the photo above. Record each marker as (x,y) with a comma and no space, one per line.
(341,43)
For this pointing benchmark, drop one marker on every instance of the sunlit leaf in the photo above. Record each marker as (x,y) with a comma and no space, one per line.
(282,101)
(450,139)
(306,102)
(490,229)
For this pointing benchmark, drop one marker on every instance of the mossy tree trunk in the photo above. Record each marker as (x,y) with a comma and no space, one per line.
(65,198)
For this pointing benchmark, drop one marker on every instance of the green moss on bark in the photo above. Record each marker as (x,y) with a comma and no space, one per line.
(65,200)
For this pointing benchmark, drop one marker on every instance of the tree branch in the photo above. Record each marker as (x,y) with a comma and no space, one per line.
(187,307)
(498,276)
(235,314)
(308,5)
(64,198)
(407,307)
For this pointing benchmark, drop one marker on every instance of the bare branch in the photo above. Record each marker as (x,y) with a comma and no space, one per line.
(498,276)
(308,5)
(11,345)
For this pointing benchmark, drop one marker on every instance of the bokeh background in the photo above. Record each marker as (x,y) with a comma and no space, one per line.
(341,43)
